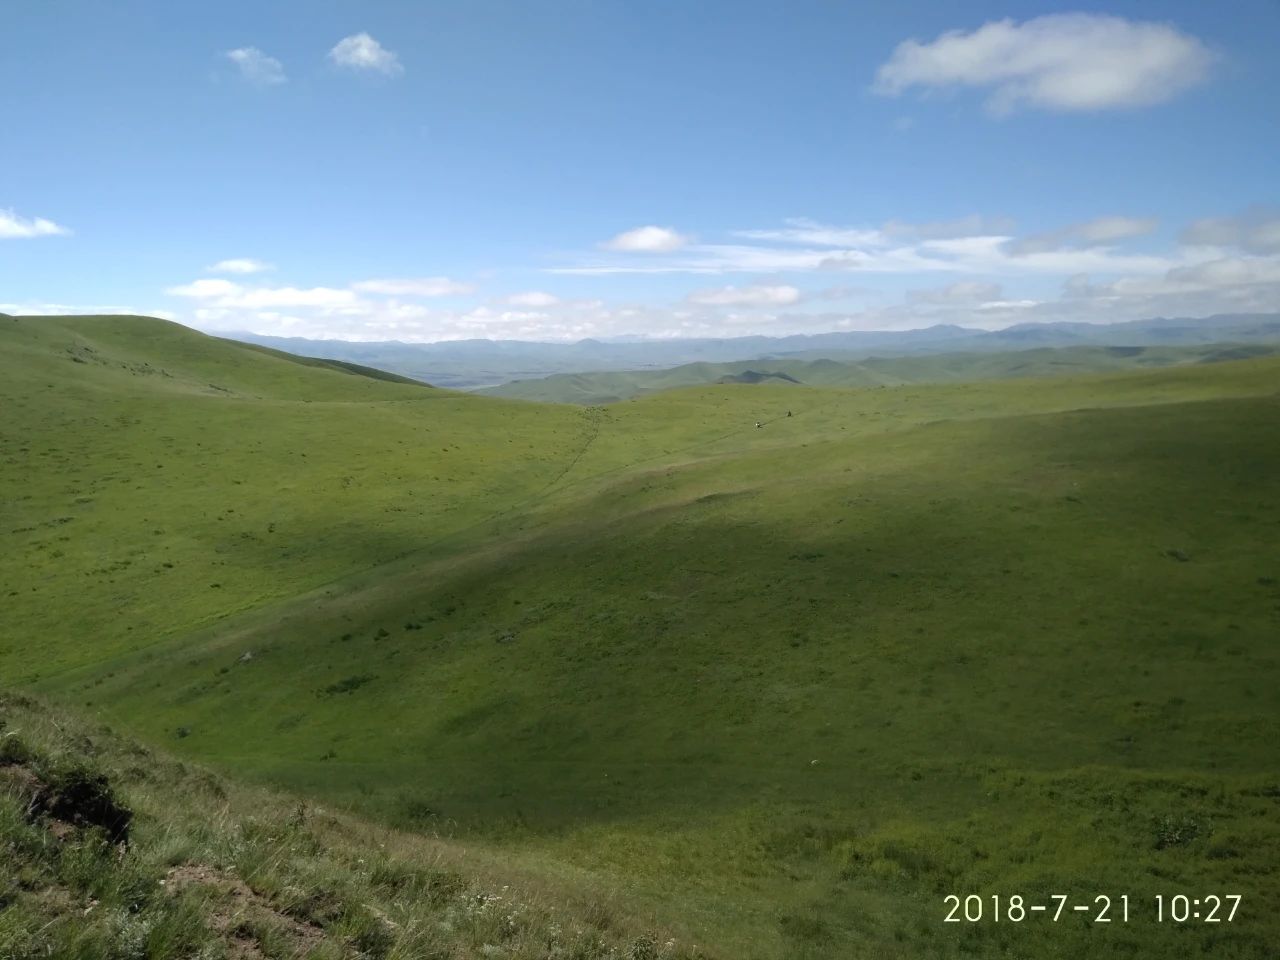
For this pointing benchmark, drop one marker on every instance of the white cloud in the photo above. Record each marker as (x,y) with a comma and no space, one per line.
(648,239)
(1257,231)
(240,265)
(414,287)
(13,227)
(361,52)
(1062,61)
(256,67)
(756,296)
(959,271)
(1100,231)
(532,298)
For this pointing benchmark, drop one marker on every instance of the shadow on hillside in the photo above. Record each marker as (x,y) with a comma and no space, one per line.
(1000,595)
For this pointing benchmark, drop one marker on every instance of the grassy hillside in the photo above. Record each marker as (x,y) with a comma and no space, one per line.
(110,850)
(155,480)
(832,369)
(784,688)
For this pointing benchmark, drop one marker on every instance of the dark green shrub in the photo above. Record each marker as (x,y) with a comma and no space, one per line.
(14,751)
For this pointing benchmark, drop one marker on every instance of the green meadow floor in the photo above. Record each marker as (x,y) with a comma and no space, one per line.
(784,688)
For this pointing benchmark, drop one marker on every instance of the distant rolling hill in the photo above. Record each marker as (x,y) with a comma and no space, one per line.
(609,387)
(757,376)
(473,364)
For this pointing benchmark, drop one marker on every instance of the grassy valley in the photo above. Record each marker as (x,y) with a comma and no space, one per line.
(771,691)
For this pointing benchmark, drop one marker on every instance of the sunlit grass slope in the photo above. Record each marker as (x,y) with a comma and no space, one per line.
(154,479)
(787,687)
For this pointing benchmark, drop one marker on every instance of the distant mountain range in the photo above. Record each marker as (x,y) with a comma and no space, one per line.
(474,364)
(611,386)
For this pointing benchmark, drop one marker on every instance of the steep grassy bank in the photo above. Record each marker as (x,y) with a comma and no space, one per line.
(109,850)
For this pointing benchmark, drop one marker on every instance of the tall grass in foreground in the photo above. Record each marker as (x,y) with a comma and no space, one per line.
(205,869)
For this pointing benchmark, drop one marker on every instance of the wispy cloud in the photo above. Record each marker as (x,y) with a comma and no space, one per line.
(895,248)
(256,67)
(802,230)
(1255,231)
(961,292)
(14,227)
(361,52)
(414,287)
(1062,61)
(780,295)
(1100,231)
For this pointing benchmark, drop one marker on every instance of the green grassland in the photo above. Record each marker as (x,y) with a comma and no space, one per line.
(782,688)
(836,370)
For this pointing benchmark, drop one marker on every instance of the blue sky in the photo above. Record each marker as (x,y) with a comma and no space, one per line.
(549,170)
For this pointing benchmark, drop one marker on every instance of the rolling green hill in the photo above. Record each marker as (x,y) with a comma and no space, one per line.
(832,369)
(784,689)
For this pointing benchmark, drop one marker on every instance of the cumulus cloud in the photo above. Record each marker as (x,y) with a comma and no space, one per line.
(256,67)
(240,265)
(414,287)
(1257,231)
(532,298)
(14,227)
(361,52)
(755,296)
(648,239)
(1100,231)
(1063,61)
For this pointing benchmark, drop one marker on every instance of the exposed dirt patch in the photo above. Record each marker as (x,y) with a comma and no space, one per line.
(75,799)
(236,911)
